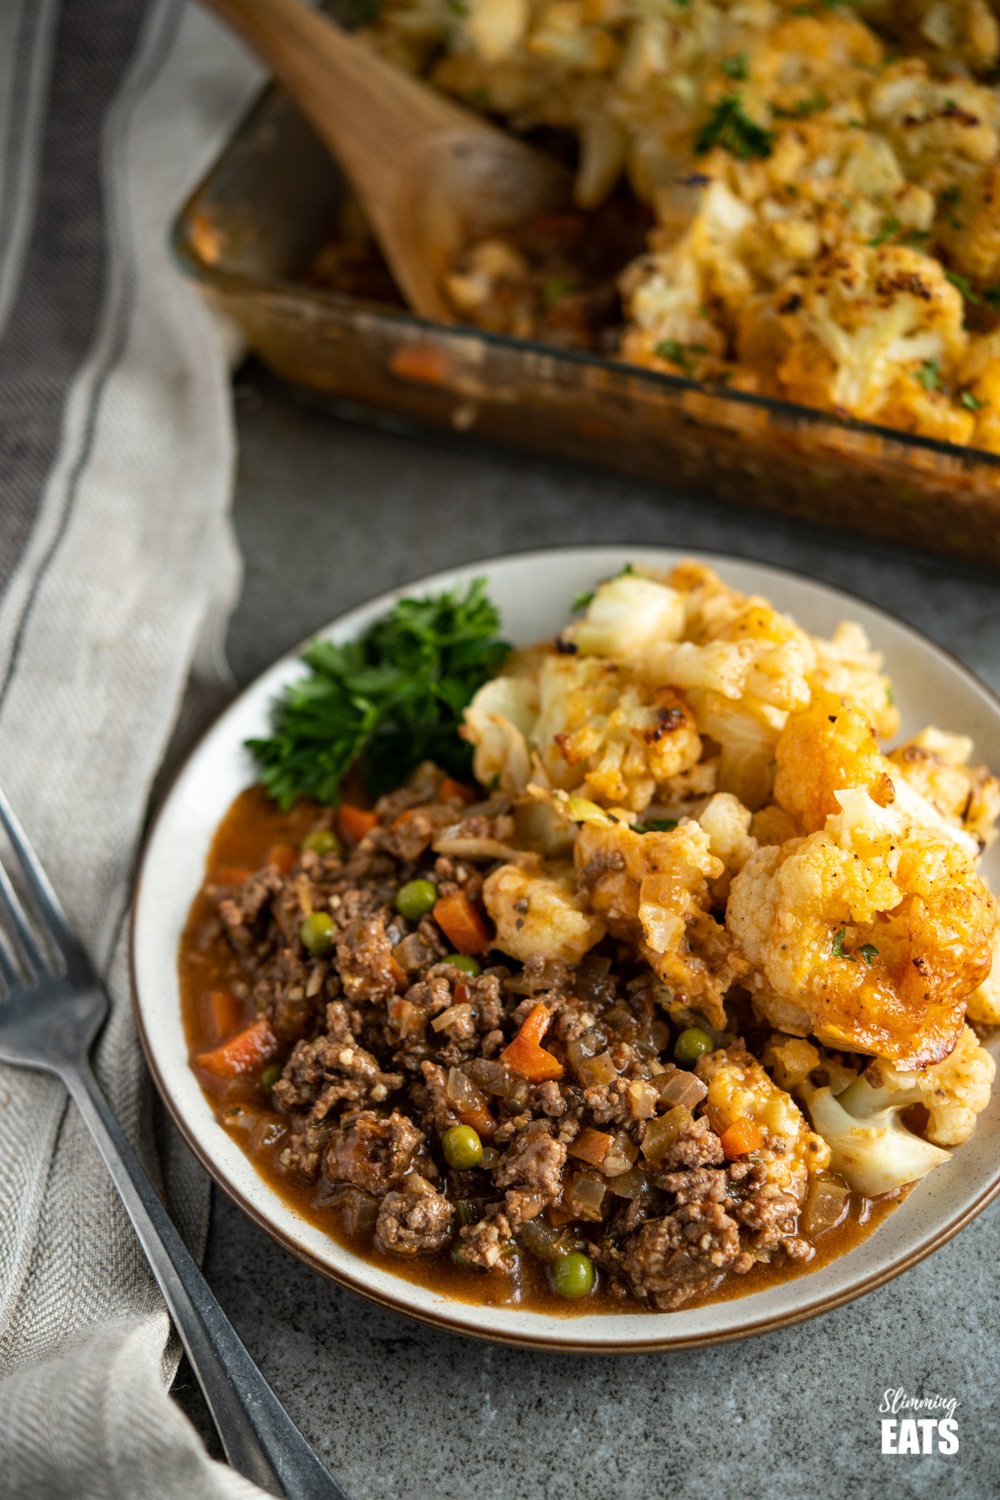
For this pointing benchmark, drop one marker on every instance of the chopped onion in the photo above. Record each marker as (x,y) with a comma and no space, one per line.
(412,953)
(662,1133)
(590,1070)
(642,1099)
(358,1212)
(454,1014)
(493,1076)
(482,848)
(462,1092)
(544,1241)
(631,1184)
(621,1155)
(678,1086)
(592,1146)
(584,1197)
(826,1204)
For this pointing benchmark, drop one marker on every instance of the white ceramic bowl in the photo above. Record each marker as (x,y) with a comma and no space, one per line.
(533,591)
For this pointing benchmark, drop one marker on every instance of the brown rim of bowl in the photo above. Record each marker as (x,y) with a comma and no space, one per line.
(443,1321)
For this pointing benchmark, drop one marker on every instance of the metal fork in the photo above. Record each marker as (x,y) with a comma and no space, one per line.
(49,1020)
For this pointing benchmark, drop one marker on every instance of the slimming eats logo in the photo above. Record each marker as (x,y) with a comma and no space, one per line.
(937,1433)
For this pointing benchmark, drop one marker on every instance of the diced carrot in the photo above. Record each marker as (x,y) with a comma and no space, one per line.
(403,818)
(429,365)
(230,875)
(451,790)
(398,974)
(591,1146)
(226,1012)
(461,923)
(355,822)
(242,1053)
(536,1023)
(531,1061)
(283,856)
(740,1138)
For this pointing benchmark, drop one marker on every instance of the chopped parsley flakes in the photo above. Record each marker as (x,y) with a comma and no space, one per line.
(929,376)
(730,127)
(736,66)
(890,228)
(962,282)
(679,354)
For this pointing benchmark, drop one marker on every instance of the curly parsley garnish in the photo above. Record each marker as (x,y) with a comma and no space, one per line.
(971,401)
(388,700)
(730,127)
(869,953)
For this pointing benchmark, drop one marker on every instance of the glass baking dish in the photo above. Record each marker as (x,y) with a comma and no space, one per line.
(251,229)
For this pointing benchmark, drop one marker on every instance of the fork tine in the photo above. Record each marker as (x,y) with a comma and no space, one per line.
(47,901)
(10,903)
(8,973)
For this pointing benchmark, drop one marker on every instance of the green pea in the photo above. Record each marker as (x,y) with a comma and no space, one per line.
(692,1044)
(462,1147)
(465,962)
(316,933)
(269,1076)
(573,1275)
(322,841)
(415,899)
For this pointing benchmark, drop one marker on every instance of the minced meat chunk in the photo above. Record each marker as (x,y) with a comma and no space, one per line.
(365,962)
(416,1221)
(333,1069)
(534,1159)
(372,1151)
(670,1259)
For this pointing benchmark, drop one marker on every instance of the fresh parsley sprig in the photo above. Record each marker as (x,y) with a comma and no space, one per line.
(388,700)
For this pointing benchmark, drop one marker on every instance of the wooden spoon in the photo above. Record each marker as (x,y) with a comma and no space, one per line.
(430,175)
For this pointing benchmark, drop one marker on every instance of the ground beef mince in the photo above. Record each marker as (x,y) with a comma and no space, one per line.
(384,1040)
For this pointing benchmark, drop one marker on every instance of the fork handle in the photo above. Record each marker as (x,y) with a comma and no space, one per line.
(259,1437)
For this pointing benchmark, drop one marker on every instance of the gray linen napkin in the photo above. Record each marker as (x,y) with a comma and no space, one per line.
(117,571)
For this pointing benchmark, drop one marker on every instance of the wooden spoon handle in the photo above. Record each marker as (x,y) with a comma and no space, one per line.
(370,115)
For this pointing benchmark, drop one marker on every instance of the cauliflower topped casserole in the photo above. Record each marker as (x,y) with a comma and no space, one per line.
(700,965)
(736,817)
(823,181)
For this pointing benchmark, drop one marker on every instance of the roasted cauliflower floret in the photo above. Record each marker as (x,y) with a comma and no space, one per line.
(936,766)
(869,1144)
(983,1005)
(626,617)
(868,934)
(827,747)
(653,889)
(606,732)
(739,1088)
(498,723)
(953,1091)
(853,332)
(536,909)
(847,665)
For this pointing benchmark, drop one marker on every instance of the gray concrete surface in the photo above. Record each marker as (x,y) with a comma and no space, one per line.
(327,515)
